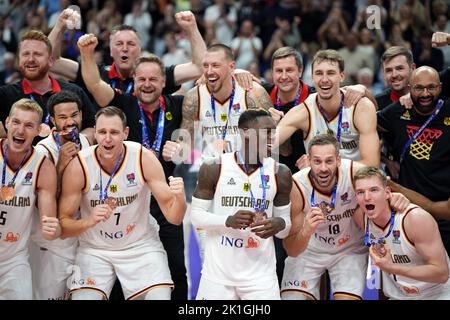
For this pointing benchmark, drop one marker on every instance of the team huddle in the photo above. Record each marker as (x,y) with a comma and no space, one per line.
(292,182)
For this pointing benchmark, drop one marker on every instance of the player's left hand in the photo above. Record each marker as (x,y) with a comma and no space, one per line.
(268,227)
(382,262)
(51,229)
(352,94)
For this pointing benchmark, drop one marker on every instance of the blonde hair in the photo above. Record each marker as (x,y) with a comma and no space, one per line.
(27,105)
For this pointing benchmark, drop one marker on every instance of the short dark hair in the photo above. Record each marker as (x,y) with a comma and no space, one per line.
(112,111)
(395,51)
(152,58)
(329,55)
(63,97)
(324,140)
(38,36)
(369,172)
(251,116)
(221,47)
(285,52)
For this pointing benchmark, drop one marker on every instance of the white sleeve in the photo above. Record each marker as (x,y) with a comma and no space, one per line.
(201,217)
(283,212)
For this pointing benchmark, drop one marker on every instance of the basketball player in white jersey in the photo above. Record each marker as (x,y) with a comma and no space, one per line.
(354,127)
(216,106)
(111,183)
(405,245)
(324,235)
(27,179)
(242,202)
(58,256)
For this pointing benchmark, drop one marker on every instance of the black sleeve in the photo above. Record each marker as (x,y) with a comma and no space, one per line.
(122,101)
(444,75)
(4,109)
(88,110)
(170,87)
(386,116)
(268,87)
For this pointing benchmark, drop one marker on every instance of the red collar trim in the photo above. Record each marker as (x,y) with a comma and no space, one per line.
(163,107)
(114,74)
(28,90)
(303,95)
(393,96)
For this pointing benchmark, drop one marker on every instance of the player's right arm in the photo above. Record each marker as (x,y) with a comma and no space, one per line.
(66,68)
(100,90)
(73,182)
(304,224)
(186,138)
(296,118)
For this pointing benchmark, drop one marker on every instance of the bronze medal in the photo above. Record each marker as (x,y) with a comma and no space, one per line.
(380,249)
(45,130)
(259,216)
(111,202)
(325,207)
(7,193)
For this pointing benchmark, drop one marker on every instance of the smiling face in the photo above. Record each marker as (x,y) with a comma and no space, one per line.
(67,117)
(34,59)
(149,82)
(324,165)
(397,73)
(286,74)
(327,78)
(110,135)
(425,89)
(23,126)
(217,70)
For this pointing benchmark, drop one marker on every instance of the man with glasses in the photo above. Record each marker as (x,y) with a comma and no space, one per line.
(419,138)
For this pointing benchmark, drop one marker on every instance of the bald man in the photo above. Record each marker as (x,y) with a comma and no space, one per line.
(419,137)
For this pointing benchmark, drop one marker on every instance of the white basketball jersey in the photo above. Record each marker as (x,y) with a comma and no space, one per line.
(213,129)
(129,223)
(239,257)
(67,247)
(16,215)
(403,252)
(349,145)
(340,232)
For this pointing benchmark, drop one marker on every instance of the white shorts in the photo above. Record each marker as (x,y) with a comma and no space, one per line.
(15,278)
(347,274)
(50,273)
(265,290)
(139,269)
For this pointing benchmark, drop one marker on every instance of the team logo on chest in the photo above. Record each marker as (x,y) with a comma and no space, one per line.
(131,180)
(396,235)
(231,182)
(247,186)
(345,200)
(223,117)
(96,187)
(208,114)
(27,179)
(447,121)
(345,127)
(169,116)
(113,188)
(266,181)
(406,115)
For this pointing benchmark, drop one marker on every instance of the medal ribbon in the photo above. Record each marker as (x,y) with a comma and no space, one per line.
(263,183)
(341,109)
(47,118)
(5,159)
(213,107)
(297,98)
(159,131)
(380,240)
(418,132)
(104,193)
(333,196)
(129,87)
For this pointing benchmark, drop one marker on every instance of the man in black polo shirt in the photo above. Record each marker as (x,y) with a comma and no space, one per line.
(125,49)
(152,118)
(419,137)
(34,63)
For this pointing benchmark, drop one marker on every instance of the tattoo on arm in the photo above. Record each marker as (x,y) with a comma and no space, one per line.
(190,110)
(259,99)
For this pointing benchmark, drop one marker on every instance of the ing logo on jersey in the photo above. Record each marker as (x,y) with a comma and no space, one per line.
(252,243)
(10,237)
(113,188)
(27,179)
(131,180)
(247,186)
(96,187)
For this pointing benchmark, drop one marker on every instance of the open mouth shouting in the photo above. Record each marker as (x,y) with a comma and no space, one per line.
(18,141)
